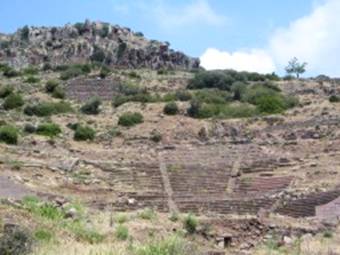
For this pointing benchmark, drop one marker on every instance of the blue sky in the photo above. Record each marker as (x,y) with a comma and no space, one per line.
(243,34)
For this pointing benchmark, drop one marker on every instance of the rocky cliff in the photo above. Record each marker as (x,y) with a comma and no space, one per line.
(89,41)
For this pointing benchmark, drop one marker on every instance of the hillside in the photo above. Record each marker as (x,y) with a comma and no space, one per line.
(89,41)
(102,160)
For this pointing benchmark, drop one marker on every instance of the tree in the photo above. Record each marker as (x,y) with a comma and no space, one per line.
(295,67)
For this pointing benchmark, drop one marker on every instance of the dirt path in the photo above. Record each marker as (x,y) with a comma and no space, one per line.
(167,185)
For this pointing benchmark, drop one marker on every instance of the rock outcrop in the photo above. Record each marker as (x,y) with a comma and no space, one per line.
(89,41)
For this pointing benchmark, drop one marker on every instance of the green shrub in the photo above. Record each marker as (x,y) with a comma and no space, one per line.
(10,72)
(73,71)
(238,88)
(6,91)
(51,85)
(8,134)
(48,129)
(24,33)
(43,235)
(122,232)
(190,223)
(45,109)
(104,72)
(58,93)
(156,136)
(130,119)
(270,104)
(84,133)
(170,246)
(13,101)
(30,71)
(98,55)
(183,95)
(147,214)
(16,241)
(194,109)
(171,108)
(140,97)
(332,99)
(212,96)
(121,50)
(42,209)
(32,79)
(121,218)
(86,234)
(30,128)
(211,79)
(91,107)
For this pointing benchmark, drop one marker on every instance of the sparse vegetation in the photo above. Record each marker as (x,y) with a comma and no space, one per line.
(48,108)
(334,99)
(32,79)
(130,119)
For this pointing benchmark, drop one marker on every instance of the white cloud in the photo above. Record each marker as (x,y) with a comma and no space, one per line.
(314,38)
(254,60)
(194,13)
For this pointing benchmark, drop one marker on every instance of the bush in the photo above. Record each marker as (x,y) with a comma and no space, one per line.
(13,101)
(6,91)
(98,55)
(30,71)
(8,134)
(213,96)
(16,241)
(130,119)
(147,214)
(171,246)
(32,79)
(30,128)
(171,108)
(84,133)
(183,95)
(211,79)
(43,235)
(48,129)
(91,107)
(45,109)
(156,136)
(270,104)
(58,93)
(194,109)
(24,33)
(238,90)
(10,72)
(74,71)
(190,223)
(104,72)
(334,99)
(122,232)
(51,85)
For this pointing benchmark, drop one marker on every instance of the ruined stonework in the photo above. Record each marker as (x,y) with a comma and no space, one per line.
(90,41)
